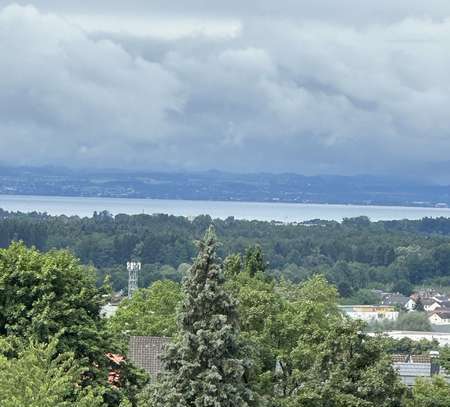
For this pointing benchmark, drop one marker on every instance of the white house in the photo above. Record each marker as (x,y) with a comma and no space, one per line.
(439,318)
(410,305)
(430,304)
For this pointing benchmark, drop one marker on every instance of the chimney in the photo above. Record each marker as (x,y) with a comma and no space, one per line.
(434,363)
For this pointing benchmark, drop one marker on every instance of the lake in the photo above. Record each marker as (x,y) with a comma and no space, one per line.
(283,212)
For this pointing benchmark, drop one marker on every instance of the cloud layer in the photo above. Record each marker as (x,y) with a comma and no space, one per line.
(310,90)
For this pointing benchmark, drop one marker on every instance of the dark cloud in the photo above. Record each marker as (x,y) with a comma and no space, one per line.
(300,87)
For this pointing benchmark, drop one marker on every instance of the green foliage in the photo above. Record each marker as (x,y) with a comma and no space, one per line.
(205,365)
(260,305)
(418,306)
(362,297)
(325,360)
(254,261)
(232,265)
(407,321)
(151,311)
(444,357)
(42,295)
(434,393)
(48,295)
(408,346)
(342,368)
(353,255)
(289,347)
(40,377)
(437,392)
(305,353)
(403,287)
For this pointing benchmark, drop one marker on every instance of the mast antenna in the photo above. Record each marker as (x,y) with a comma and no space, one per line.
(133,268)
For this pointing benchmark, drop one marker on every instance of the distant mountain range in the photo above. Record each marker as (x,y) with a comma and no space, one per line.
(215,185)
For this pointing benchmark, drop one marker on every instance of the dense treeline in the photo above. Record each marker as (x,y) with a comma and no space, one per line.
(354,255)
(244,339)
(239,337)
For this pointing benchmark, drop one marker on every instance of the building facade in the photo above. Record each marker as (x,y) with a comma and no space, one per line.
(370,313)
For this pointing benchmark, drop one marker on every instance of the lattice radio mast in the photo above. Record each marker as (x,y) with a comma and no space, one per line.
(133,268)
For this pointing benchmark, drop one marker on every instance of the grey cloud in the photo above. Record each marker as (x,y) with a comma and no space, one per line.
(65,96)
(349,92)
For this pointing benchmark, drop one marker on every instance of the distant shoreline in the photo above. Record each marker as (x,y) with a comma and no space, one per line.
(285,212)
(216,186)
(268,201)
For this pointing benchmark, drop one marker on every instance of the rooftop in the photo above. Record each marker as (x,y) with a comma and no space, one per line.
(145,352)
(443,314)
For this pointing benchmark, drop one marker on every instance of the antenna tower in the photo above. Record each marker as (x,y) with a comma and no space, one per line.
(133,268)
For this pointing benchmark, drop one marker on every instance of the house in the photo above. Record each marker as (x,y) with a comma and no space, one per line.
(440,317)
(440,298)
(445,304)
(412,367)
(370,313)
(430,304)
(411,304)
(145,352)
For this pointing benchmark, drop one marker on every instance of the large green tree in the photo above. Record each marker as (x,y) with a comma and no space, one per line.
(260,306)
(326,360)
(306,353)
(43,295)
(205,365)
(40,377)
(151,311)
(434,393)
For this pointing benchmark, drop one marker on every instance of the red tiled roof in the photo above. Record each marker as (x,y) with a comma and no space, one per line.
(117,359)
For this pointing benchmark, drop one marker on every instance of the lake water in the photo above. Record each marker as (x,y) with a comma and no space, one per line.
(284,212)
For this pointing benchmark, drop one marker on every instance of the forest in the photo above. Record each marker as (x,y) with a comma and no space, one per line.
(355,254)
(237,338)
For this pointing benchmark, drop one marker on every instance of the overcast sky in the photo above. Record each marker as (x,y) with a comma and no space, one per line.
(313,87)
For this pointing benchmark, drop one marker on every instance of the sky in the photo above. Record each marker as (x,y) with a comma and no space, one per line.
(311,87)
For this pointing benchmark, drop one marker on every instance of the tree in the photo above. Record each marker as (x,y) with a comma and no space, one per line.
(435,393)
(413,321)
(418,306)
(409,346)
(403,287)
(43,295)
(407,321)
(205,366)
(40,377)
(232,266)
(151,311)
(363,297)
(254,260)
(345,368)
(260,305)
(325,360)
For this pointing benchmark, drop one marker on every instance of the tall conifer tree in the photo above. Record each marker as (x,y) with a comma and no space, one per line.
(205,366)
(254,261)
